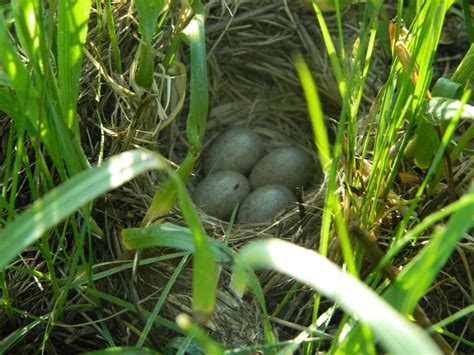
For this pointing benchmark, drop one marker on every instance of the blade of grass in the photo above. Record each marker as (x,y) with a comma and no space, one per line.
(195,35)
(160,321)
(148,13)
(396,333)
(73,194)
(315,112)
(73,17)
(168,235)
(10,340)
(334,59)
(172,236)
(19,78)
(452,318)
(409,287)
(113,36)
(466,5)
(164,294)
(465,70)
(322,143)
(204,264)
(165,198)
(209,345)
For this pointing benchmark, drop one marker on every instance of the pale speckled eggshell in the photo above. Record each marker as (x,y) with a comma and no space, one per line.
(236,149)
(219,193)
(264,204)
(288,166)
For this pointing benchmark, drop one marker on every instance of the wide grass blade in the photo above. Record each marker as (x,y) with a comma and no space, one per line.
(113,36)
(396,333)
(73,16)
(195,35)
(204,264)
(18,77)
(165,197)
(168,235)
(73,194)
(465,70)
(148,12)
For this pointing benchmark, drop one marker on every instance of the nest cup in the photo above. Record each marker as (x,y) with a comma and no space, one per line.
(252,83)
(256,86)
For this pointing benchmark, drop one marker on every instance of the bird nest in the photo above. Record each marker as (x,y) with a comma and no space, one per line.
(252,82)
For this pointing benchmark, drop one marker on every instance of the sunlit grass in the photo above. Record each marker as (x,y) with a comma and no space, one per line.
(40,85)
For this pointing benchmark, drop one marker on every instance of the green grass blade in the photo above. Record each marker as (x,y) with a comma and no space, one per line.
(195,35)
(73,194)
(73,16)
(9,341)
(322,144)
(18,77)
(165,197)
(146,66)
(168,235)
(409,287)
(466,4)
(334,59)
(164,294)
(204,263)
(315,112)
(113,36)
(396,333)
(465,71)
(452,318)
(447,88)
(29,25)
(209,345)
(148,12)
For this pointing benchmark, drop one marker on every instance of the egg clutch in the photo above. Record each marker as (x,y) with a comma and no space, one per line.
(239,170)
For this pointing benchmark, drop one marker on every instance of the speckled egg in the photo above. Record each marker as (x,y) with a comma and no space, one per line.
(219,193)
(236,149)
(264,204)
(288,166)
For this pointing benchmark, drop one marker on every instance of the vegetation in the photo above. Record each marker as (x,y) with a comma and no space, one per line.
(96,109)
